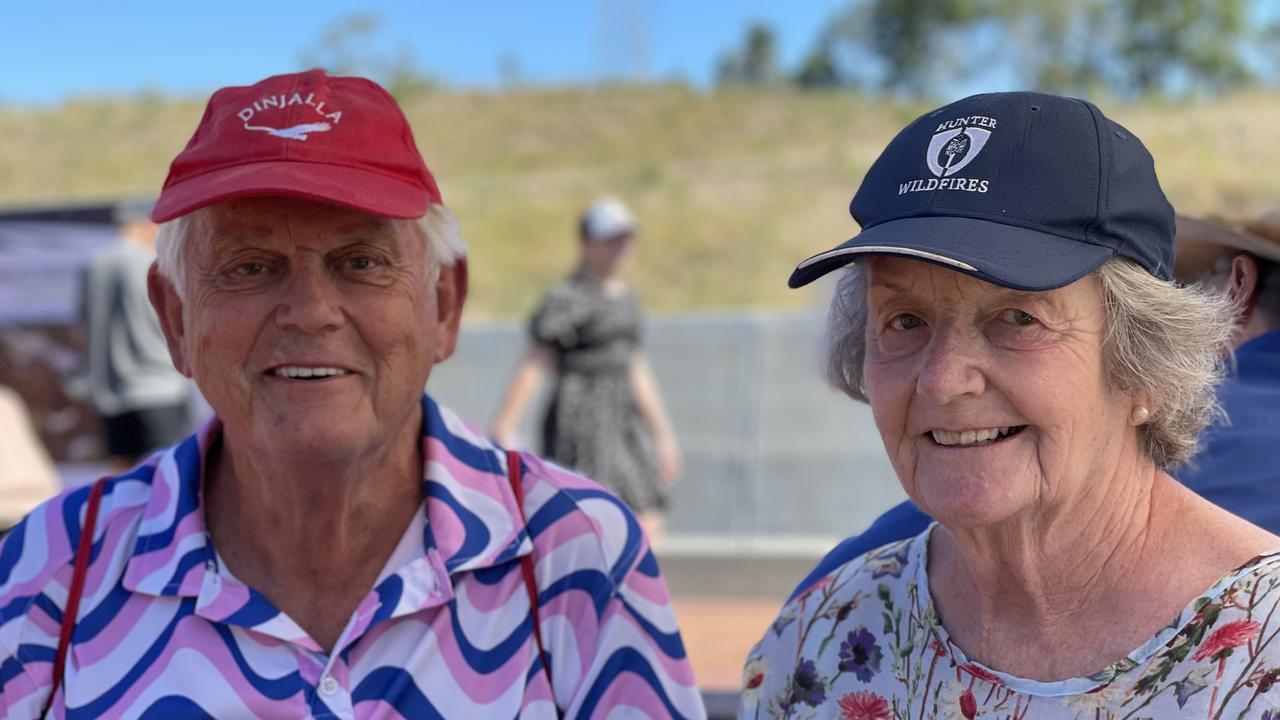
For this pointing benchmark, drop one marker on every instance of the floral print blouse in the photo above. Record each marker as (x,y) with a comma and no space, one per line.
(864,643)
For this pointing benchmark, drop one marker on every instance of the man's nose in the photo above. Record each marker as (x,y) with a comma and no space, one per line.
(952,365)
(312,301)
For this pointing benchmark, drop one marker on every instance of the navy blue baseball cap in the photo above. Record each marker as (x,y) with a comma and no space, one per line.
(1025,190)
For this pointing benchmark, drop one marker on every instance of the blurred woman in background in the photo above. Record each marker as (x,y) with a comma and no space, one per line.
(605,417)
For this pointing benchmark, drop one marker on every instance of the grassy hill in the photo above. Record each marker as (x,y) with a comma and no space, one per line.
(732,188)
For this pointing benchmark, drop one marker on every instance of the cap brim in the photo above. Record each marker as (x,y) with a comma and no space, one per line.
(1006,255)
(350,187)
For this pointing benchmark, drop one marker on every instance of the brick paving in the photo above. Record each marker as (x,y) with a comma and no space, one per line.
(724,605)
(718,632)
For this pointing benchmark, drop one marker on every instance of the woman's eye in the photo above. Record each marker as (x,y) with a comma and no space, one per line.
(905,321)
(1019,317)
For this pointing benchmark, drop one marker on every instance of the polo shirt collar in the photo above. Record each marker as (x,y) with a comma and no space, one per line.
(472,516)
(472,520)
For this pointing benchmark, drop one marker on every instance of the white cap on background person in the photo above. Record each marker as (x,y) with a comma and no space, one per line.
(606,219)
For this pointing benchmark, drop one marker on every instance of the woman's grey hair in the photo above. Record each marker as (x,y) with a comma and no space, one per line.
(439,228)
(1163,342)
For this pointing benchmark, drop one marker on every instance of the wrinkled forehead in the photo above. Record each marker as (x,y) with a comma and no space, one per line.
(888,276)
(283,221)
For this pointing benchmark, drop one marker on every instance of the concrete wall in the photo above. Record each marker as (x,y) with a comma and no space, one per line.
(775,460)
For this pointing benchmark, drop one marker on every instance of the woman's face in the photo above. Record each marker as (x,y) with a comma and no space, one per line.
(991,402)
(607,257)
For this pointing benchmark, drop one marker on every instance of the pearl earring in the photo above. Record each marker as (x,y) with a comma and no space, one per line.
(1140,415)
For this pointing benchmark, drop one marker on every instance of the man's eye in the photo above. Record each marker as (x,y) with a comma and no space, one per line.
(1019,317)
(361,262)
(252,268)
(905,321)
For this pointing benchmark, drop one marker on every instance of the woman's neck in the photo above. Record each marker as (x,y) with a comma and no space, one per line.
(1062,592)
(610,282)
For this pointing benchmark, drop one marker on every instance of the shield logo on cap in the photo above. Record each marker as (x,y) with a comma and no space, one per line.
(951,150)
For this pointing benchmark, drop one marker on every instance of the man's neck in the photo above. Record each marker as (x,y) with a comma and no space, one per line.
(1254,325)
(311,537)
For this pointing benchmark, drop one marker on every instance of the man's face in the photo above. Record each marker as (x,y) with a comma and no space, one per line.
(308,327)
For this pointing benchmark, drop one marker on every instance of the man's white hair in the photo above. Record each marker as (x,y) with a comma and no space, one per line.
(439,229)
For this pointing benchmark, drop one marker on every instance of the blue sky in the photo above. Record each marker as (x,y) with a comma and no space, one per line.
(52,51)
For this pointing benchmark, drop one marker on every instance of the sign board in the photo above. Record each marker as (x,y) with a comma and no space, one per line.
(40,268)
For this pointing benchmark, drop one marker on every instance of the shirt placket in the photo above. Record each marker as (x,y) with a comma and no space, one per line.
(330,680)
(423,584)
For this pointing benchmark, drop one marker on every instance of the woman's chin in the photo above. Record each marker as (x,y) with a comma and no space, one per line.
(969,502)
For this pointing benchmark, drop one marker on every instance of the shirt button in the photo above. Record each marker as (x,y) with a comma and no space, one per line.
(328,685)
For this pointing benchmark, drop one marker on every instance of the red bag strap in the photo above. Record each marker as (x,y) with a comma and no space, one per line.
(526,562)
(72,609)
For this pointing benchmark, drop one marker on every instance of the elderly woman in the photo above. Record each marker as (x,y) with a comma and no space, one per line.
(1032,372)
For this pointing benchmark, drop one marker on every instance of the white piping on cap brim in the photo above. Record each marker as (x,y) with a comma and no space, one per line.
(862,249)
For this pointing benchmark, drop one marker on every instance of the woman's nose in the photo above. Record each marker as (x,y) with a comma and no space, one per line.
(951,366)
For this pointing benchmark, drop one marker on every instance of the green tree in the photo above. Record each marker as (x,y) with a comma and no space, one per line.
(1124,47)
(755,63)
(908,36)
(819,70)
(900,46)
(1058,47)
(1189,43)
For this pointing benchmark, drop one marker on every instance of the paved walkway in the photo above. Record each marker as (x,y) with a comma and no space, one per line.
(717,635)
(724,605)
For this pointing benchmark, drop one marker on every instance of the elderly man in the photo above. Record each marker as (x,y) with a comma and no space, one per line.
(333,543)
(1238,465)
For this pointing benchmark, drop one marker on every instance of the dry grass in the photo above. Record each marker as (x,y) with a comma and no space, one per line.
(732,188)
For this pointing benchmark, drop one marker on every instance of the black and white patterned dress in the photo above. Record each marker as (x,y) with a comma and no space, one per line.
(592,424)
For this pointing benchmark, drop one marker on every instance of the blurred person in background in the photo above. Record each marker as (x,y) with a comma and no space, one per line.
(1009,313)
(605,418)
(27,476)
(333,543)
(144,403)
(1237,466)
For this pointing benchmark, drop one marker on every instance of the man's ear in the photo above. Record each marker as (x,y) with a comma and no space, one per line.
(168,306)
(1242,283)
(451,294)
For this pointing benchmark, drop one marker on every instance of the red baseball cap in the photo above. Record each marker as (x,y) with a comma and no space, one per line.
(339,140)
